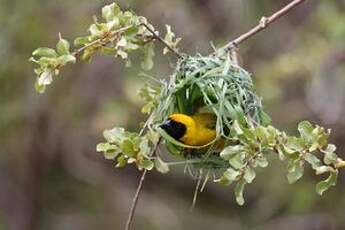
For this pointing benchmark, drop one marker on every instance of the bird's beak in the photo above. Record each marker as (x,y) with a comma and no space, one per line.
(166,125)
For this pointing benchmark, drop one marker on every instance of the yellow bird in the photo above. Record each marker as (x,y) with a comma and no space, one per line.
(195,130)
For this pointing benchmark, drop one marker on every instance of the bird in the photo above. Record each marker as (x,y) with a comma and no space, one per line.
(195,130)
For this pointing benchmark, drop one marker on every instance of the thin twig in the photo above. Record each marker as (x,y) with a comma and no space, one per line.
(264,22)
(112,34)
(340,164)
(100,40)
(162,41)
(135,200)
(138,191)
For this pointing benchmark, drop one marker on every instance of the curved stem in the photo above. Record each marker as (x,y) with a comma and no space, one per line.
(264,22)
(162,41)
(135,200)
(99,41)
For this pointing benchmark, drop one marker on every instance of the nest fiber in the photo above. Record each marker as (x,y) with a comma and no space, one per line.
(216,85)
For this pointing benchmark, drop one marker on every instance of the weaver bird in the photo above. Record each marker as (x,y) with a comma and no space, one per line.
(195,130)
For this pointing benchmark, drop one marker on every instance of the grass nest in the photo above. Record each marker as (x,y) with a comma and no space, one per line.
(215,85)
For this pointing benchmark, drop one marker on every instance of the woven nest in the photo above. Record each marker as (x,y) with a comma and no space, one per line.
(210,84)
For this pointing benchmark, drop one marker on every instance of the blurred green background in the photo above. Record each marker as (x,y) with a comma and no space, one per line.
(50,174)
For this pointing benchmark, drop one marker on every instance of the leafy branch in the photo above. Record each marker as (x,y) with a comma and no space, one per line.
(120,33)
(254,144)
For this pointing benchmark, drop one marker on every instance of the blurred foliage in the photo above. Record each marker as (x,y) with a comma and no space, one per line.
(51,177)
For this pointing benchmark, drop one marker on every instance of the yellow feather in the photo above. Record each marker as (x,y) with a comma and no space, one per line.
(200,128)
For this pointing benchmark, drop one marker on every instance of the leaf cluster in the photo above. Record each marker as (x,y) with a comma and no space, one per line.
(129,148)
(117,34)
(255,144)
(50,61)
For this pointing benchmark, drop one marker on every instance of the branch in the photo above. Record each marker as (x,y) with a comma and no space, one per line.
(103,41)
(264,22)
(340,164)
(162,41)
(100,40)
(138,191)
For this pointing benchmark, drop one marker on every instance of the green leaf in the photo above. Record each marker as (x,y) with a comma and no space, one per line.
(102,147)
(110,151)
(82,41)
(239,192)
(45,52)
(229,176)
(237,128)
(170,39)
(305,128)
(318,138)
(128,18)
(313,160)
(65,59)
(262,134)
(115,135)
(146,164)
(128,148)
(323,186)
(107,13)
(323,169)
(230,151)
(249,134)
(150,95)
(294,145)
(122,54)
(265,118)
(108,50)
(122,42)
(46,78)
(273,133)
(149,53)
(87,54)
(330,148)
(110,11)
(237,161)
(161,166)
(153,136)
(295,170)
(121,161)
(131,46)
(95,30)
(63,46)
(261,161)
(330,156)
(281,152)
(249,175)
(144,147)
(131,32)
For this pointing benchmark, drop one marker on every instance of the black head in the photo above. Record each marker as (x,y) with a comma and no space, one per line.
(174,129)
